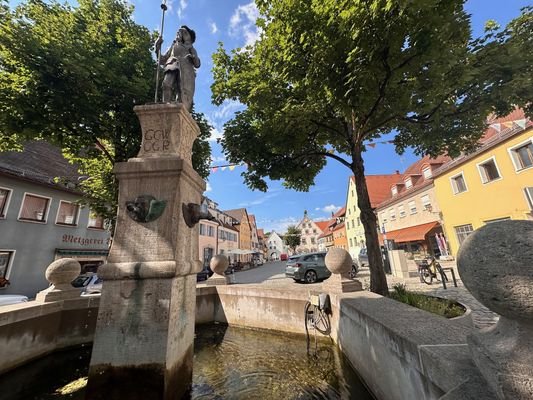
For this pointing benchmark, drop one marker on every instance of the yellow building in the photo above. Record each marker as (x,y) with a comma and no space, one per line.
(494,183)
(378,190)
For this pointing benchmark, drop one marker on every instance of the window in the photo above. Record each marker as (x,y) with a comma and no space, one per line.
(358,221)
(392,214)
(304,241)
(427,173)
(67,213)
(458,183)
(394,190)
(529,196)
(401,211)
(4,201)
(351,242)
(34,208)
(312,240)
(95,221)
(522,155)
(463,231)
(489,171)
(6,259)
(210,231)
(202,229)
(412,207)
(426,203)
(408,183)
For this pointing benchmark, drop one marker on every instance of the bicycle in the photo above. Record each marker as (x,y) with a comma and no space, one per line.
(430,269)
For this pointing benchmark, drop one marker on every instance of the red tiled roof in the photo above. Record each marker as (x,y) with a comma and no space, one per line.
(322,225)
(379,187)
(261,233)
(339,226)
(412,233)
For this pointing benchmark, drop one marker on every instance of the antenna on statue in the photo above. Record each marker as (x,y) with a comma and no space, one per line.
(164,8)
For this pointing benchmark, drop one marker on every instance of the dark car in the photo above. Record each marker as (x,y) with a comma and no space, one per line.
(307,268)
(204,274)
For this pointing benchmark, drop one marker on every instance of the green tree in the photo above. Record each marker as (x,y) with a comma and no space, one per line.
(328,76)
(71,76)
(292,238)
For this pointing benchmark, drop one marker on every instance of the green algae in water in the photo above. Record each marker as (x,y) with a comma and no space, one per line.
(229,363)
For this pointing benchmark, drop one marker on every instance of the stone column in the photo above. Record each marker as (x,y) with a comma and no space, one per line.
(496,265)
(339,262)
(143,346)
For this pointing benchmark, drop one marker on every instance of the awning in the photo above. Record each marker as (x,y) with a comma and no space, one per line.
(413,233)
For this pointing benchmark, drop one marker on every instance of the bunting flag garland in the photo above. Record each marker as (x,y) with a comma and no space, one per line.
(509,124)
(497,127)
(521,123)
(223,168)
(373,145)
(214,169)
(231,167)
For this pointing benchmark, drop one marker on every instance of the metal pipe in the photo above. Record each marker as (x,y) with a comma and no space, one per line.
(164,8)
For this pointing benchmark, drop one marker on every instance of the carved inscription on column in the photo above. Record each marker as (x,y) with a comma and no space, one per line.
(156,141)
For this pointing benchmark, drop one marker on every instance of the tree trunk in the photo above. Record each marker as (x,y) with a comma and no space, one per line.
(378,281)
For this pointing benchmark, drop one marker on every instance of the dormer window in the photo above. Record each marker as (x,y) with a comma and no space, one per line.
(394,190)
(427,173)
(408,183)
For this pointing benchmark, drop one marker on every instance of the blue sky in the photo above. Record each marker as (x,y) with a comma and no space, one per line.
(232,22)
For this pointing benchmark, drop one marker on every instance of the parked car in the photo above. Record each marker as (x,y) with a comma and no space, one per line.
(204,274)
(90,283)
(362,259)
(7,299)
(283,257)
(307,268)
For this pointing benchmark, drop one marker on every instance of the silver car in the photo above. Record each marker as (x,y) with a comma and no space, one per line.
(308,268)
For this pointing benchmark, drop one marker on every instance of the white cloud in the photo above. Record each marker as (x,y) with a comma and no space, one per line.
(216,134)
(213,27)
(181,8)
(331,208)
(278,225)
(208,187)
(260,200)
(227,109)
(242,23)
(219,159)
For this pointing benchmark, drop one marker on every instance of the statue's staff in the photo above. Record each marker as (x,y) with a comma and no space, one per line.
(164,8)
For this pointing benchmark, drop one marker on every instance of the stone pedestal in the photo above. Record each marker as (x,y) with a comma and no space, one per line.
(219,264)
(143,346)
(398,261)
(60,274)
(339,262)
(496,265)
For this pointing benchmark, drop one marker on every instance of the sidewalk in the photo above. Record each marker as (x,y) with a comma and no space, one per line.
(482,317)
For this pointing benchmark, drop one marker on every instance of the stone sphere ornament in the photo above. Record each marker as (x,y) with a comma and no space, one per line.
(496,265)
(62,272)
(219,264)
(338,261)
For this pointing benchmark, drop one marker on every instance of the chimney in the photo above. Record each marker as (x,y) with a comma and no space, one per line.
(397,172)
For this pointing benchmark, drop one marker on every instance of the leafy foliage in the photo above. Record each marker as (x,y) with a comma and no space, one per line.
(71,76)
(331,74)
(293,237)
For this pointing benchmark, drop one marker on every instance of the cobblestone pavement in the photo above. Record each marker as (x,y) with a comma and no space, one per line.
(273,275)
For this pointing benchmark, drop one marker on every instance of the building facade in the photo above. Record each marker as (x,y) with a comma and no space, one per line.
(276,246)
(378,190)
(41,220)
(242,224)
(310,231)
(411,216)
(226,237)
(495,183)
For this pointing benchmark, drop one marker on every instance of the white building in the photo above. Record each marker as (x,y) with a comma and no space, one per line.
(275,246)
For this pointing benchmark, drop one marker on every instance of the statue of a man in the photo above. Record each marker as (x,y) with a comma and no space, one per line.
(179,63)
